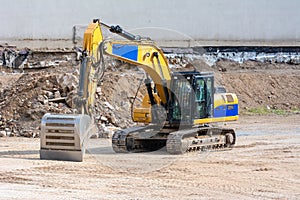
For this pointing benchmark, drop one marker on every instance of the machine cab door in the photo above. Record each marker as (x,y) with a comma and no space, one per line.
(192,97)
(204,98)
(181,108)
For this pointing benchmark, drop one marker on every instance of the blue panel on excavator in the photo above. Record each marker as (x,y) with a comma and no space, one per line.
(226,110)
(126,51)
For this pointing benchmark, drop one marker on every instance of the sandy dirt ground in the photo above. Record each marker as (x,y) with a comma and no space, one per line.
(263,165)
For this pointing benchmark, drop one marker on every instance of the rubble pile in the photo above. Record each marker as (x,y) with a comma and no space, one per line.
(13,58)
(241,57)
(114,97)
(212,55)
(23,103)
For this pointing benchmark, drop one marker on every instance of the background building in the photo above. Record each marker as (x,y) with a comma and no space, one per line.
(206,21)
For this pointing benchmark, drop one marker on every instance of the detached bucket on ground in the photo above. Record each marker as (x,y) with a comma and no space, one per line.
(63,137)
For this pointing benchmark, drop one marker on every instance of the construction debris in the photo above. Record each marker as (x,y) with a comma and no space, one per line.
(25,101)
(14,58)
(211,55)
(11,58)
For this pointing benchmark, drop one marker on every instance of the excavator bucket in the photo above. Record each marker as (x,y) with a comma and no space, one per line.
(63,137)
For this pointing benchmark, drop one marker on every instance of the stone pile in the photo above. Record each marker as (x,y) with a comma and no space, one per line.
(23,104)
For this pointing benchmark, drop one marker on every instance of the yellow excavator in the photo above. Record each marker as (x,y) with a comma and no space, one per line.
(179,110)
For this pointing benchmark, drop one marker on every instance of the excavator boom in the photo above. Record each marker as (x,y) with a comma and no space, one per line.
(147,56)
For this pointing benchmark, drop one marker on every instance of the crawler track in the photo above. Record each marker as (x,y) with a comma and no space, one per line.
(140,139)
(200,139)
(119,139)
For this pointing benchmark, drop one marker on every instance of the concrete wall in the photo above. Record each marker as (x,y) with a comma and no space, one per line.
(243,20)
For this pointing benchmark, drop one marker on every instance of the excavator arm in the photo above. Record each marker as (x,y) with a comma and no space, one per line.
(89,69)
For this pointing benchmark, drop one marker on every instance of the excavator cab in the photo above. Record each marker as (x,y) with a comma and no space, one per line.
(192,97)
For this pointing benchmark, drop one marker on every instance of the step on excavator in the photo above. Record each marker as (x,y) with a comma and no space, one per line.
(180,110)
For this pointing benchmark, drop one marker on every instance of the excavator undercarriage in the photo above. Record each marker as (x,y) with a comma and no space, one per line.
(140,139)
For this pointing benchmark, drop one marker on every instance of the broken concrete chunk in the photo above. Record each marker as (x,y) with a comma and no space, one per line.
(7,129)
(46,101)
(41,98)
(50,95)
(98,90)
(108,105)
(68,80)
(2,133)
(9,134)
(57,95)
(43,63)
(102,118)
